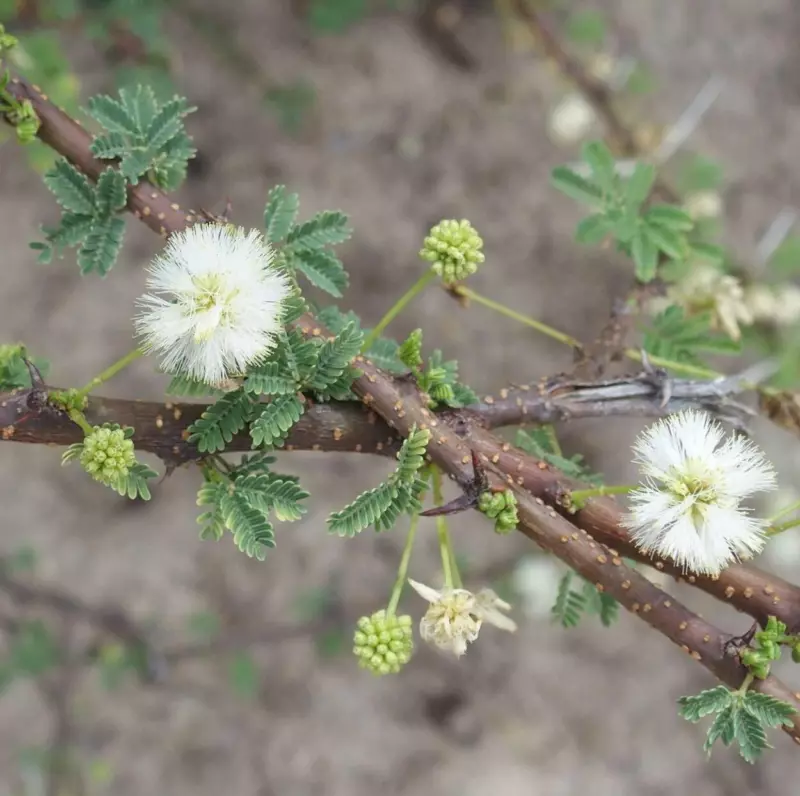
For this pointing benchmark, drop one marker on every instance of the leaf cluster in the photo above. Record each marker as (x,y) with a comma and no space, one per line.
(242,500)
(681,337)
(146,136)
(538,442)
(306,247)
(89,219)
(646,234)
(739,716)
(399,494)
(572,603)
(298,364)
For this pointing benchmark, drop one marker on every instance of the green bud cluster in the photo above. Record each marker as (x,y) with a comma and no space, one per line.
(766,648)
(107,454)
(453,248)
(410,350)
(500,507)
(383,644)
(7,41)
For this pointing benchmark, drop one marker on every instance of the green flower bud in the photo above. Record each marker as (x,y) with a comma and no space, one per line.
(796,654)
(441,393)
(410,351)
(383,644)
(107,454)
(506,521)
(453,248)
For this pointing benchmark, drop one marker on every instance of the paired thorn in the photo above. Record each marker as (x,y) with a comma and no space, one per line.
(469,497)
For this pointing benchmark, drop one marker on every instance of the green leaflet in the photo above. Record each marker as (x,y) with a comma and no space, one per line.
(280,213)
(739,716)
(270,427)
(399,494)
(148,137)
(243,503)
(220,422)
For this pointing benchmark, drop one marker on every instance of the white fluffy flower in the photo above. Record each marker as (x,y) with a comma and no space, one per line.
(216,302)
(688,509)
(571,119)
(455,616)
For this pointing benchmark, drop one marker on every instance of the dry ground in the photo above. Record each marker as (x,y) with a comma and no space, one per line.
(399,139)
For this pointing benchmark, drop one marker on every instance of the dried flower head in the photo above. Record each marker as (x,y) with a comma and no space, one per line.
(706,288)
(216,302)
(688,509)
(455,616)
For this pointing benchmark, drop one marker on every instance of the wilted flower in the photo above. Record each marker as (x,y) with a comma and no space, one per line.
(706,288)
(216,304)
(455,616)
(703,204)
(779,306)
(688,509)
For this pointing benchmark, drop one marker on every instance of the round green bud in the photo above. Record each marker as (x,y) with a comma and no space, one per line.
(796,654)
(453,248)
(107,455)
(506,521)
(383,644)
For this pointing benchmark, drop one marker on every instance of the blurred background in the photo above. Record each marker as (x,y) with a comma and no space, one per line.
(400,114)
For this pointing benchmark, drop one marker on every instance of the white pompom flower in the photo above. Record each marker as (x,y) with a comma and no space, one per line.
(455,616)
(688,509)
(215,303)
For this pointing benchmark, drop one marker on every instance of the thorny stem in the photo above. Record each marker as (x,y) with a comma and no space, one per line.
(402,571)
(397,308)
(526,320)
(111,371)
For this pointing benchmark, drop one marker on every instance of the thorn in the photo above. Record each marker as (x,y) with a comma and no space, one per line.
(469,498)
(735,644)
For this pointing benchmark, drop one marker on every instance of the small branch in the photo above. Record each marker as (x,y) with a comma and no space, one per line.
(160,427)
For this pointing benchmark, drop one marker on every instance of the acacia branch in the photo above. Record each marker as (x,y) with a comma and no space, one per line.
(161,427)
(450,448)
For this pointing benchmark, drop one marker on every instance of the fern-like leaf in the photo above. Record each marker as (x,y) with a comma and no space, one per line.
(111,194)
(276,418)
(280,213)
(252,531)
(569,605)
(112,114)
(134,484)
(190,388)
(322,268)
(108,146)
(216,427)
(101,246)
(71,188)
(269,379)
(335,357)
(324,229)
(366,509)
